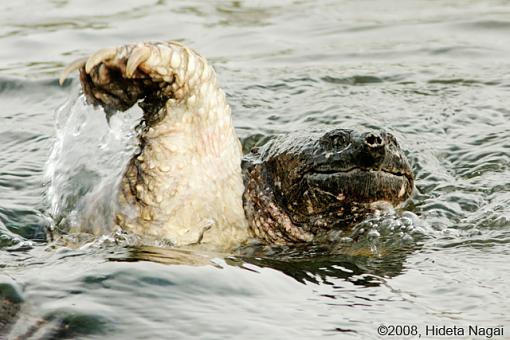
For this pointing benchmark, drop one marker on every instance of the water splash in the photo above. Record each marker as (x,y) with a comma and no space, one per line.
(384,230)
(86,165)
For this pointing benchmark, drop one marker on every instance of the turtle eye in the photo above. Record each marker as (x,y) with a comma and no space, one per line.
(336,139)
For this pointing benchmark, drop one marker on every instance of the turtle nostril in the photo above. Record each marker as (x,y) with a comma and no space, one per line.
(374,141)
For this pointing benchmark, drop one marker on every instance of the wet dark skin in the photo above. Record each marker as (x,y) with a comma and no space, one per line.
(301,185)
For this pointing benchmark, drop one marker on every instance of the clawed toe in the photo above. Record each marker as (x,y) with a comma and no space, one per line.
(113,57)
(117,78)
(139,55)
(73,66)
(99,57)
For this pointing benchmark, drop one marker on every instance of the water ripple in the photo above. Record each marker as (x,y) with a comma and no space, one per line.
(437,77)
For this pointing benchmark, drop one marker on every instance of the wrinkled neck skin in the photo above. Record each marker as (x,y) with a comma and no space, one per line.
(271,222)
(268,221)
(184,185)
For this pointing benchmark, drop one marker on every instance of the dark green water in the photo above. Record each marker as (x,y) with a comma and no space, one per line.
(434,73)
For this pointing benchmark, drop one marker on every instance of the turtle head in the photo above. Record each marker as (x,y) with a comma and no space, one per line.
(301,184)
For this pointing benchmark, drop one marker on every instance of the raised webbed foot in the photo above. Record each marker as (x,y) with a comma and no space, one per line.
(117,78)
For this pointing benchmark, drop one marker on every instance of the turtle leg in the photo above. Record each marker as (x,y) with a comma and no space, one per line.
(187,170)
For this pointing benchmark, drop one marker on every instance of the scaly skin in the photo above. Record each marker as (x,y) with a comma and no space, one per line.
(185,184)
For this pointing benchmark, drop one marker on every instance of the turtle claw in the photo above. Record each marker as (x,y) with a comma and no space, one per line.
(116,78)
(99,57)
(88,62)
(75,65)
(139,55)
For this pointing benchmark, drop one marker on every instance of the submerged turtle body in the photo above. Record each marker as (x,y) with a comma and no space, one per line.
(186,184)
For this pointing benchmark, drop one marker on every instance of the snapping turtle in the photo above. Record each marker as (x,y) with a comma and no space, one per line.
(186,183)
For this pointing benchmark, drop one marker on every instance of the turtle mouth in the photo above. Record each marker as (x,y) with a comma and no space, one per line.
(355,171)
(362,185)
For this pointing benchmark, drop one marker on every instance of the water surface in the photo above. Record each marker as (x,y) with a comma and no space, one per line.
(434,73)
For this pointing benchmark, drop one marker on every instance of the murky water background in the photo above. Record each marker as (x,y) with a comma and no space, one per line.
(434,73)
